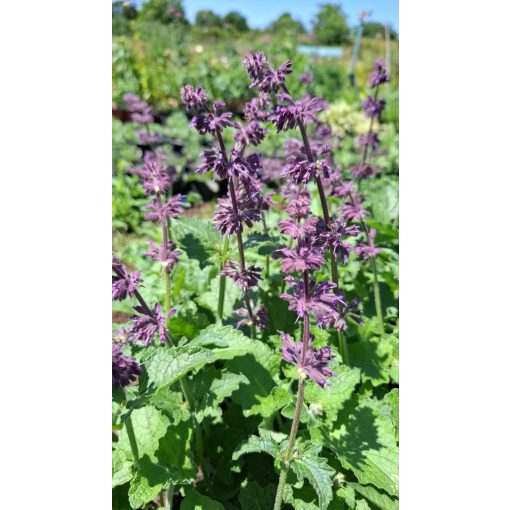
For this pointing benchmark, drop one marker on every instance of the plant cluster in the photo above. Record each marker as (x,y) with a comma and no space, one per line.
(254,372)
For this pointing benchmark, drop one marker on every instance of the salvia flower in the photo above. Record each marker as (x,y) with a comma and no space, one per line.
(260,318)
(145,326)
(210,122)
(245,278)
(316,361)
(367,249)
(364,171)
(342,309)
(373,107)
(321,301)
(370,139)
(255,109)
(352,209)
(341,189)
(378,75)
(213,161)
(141,111)
(302,171)
(159,211)
(168,257)
(287,114)
(306,78)
(273,79)
(304,258)
(155,177)
(229,222)
(125,369)
(125,285)
(334,238)
(256,66)
(194,98)
(251,134)
(298,230)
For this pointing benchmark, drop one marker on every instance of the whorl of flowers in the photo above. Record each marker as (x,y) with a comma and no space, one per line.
(288,112)
(378,75)
(263,76)
(373,108)
(141,111)
(334,237)
(145,326)
(155,178)
(363,171)
(124,284)
(210,122)
(315,363)
(302,171)
(245,278)
(229,222)
(125,369)
(352,209)
(193,98)
(298,230)
(158,211)
(168,257)
(367,249)
(260,318)
(304,257)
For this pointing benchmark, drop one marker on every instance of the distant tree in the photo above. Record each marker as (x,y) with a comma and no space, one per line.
(122,14)
(164,11)
(330,25)
(286,23)
(237,21)
(208,19)
(372,28)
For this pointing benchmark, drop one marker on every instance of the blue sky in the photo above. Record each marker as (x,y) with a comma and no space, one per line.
(260,13)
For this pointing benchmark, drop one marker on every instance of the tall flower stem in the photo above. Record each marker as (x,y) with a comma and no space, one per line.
(342,341)
(299,406)
(170,497)
(223,280)
(240,246)
(132,439)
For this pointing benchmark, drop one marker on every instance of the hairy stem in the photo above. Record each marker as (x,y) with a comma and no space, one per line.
(221,295)
(132,440)
(170,497)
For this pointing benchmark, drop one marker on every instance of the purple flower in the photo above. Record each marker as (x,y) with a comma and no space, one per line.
(167,258)
(229,222)
(315,364)
(251,134)
(125,369)
(353,209)
(148,138)
(369,139)
(378,75)
(260,318)
(142,117)
(364,171)
(194,99)
(255,109)
(373,107)
(321,301)
(367,250)
(342,309)
(244,168)
(145,326)
(333,237)
(245,278)
(210,122)
(262,75)
(125,285)
(302,171)
(287,115)
(271,169)
(306,78)
(159,211)
(256,66)
(213,161)
(298,230)
(155,177)
(303,258)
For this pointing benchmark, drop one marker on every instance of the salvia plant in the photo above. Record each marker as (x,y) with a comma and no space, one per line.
(198,405)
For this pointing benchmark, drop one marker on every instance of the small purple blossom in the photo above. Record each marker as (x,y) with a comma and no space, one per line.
(125,369)
(367,250)
(298,230)
(229,222)
(306,78)
(255,109)
(213,161)
(303,258)
(210,122)
(145,326)
(316,361)
(370,139)
(353,210)
(364,171)
(288,113)
(125,285)
(333,237)
(159,211)
(194,98)
(245,278)
(302,171)
(251,134)
(167,258)
(378,75)
(155,177)
(260,318)
(373,107)
(263,76)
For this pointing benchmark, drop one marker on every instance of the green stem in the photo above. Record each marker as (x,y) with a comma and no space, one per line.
(377,296)
(170,497)
(132,440)
(343,348)
(223,280)
(199,441)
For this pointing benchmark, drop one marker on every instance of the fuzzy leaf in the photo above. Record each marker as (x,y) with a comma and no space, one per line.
(267,443)
(379,499)
(303,505)
(150,426)
(209,299)
(147,483)
(278,398)
(122,468)
(316,469)
(187,321)
(196,501)
(255,497)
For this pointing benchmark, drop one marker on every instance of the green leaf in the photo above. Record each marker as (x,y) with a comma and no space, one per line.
(375,497)
(268,442)
(347,494)
(316,469)
(209,299)
(122,468)
(175,453)
(255,497)
(361,504)
(173,403)
(210,388)
(278,398)
(383,199)
(374,358)
(187,321)
(198,238)
(196,501)
(303,505)
(147,483)
(150,426)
